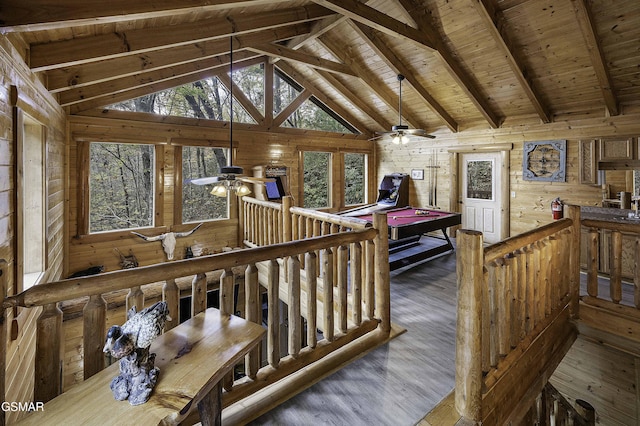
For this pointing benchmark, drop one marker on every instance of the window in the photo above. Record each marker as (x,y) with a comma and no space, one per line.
(121,186)
(355,178)
(480,180)
(31,200)
(317,175)
(197,202)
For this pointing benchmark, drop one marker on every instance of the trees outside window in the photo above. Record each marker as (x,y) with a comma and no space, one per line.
(355,174)
(197,202)
(317,174)
(121,186)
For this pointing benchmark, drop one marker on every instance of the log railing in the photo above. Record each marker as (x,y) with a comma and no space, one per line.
(615,257)
(318,297)
(515,300)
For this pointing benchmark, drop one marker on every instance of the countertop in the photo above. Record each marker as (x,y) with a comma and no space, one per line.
(607,214)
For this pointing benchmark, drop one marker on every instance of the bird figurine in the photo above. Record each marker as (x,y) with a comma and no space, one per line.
(140,329)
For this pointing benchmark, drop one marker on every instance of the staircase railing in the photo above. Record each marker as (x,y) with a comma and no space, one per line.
(515,300)
(341,307)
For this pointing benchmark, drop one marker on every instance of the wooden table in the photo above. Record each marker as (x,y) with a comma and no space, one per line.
(193,358)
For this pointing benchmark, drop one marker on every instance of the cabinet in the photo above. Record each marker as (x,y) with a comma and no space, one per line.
(617,149)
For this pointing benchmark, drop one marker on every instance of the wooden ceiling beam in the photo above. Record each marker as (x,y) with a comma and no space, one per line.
(494,21)
(152,87)
(38,15)
(588,28)
(46,56)
(317,93)
(453,67)
(283,52)
(373,83)
(348,94)
(110,87)
(399,67)
(97,72)
(318,28)
(371,17)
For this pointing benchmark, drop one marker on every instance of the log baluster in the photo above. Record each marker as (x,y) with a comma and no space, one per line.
(293,305)
(485,323)
(615,281)
(253,310)
(227,308)
(171,295)
(574,259)
(198,294)
(135,297)
(369,283)
(555,272)
(94,317)
(521,308)
(342,269)
(503,296)
(512,294)
(592,262)
(636,274)
(48,362)
(356,283)
(492,290)
(530,290)
(539,280)
(312,295)
(287,219)
(327,293)
(273,313)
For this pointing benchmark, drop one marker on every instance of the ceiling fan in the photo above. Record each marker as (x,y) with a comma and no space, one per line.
(231,177)
(400,132)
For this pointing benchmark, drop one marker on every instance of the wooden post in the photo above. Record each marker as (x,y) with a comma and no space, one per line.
(135,297)
(95,318)
(171,295)
(356,283)
(226,292)
(342,270)
(295,327)
(468,388)
(253,313)
(198,294)
(592,260)
(382,278)
(49,339)
(273,313)
(616,267)
(4,278)
(241,221)
(312,302)
(573,213)
(327,293)
(636,274)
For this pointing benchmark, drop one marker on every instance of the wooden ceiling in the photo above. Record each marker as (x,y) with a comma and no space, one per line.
(467,63)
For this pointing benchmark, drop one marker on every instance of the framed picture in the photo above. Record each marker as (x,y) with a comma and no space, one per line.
(544,161)
(417,174)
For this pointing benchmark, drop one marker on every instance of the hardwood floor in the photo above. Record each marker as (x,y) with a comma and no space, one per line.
(398,383)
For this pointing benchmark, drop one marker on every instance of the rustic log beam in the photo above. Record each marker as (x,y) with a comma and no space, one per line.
(312,298)
(76,51)
(253,313)
(282,52)
(382,279)
(341,284)
(171,295)
(328,320)
(38,15)
(293,305)
(93,334)
(273,314)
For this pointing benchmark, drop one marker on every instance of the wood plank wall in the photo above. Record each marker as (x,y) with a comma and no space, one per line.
(35,101)
(253,149)
(531,205)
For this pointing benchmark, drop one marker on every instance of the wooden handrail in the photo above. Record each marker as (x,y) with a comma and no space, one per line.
(514,298)
(74,288)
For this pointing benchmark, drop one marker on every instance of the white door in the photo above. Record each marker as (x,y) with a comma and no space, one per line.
(481,196)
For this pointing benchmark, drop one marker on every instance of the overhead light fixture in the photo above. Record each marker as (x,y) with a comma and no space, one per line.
(400,139)
(230,184)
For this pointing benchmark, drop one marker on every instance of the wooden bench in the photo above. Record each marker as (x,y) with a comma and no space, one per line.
(193,358)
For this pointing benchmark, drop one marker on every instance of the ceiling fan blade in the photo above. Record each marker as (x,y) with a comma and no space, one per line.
(206,180)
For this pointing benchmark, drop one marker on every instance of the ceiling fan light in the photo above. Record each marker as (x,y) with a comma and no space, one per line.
(404,139)
(219,190)
(242,190)
(396,140)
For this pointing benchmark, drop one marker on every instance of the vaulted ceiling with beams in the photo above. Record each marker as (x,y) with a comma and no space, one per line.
(486,63)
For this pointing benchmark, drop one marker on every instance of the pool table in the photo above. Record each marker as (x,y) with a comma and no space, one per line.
(407,225)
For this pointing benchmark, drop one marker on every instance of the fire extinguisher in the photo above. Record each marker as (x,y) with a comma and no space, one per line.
(556,208)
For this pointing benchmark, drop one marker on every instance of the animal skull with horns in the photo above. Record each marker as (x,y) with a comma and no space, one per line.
(168,239)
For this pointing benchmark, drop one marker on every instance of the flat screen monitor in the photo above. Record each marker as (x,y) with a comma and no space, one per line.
(275,189)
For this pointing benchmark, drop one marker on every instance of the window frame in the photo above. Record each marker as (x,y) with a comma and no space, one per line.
(336,171)
(21,121)
(178,179)
(83,167)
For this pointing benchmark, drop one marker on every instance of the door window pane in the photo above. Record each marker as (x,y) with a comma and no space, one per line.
(479,180)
